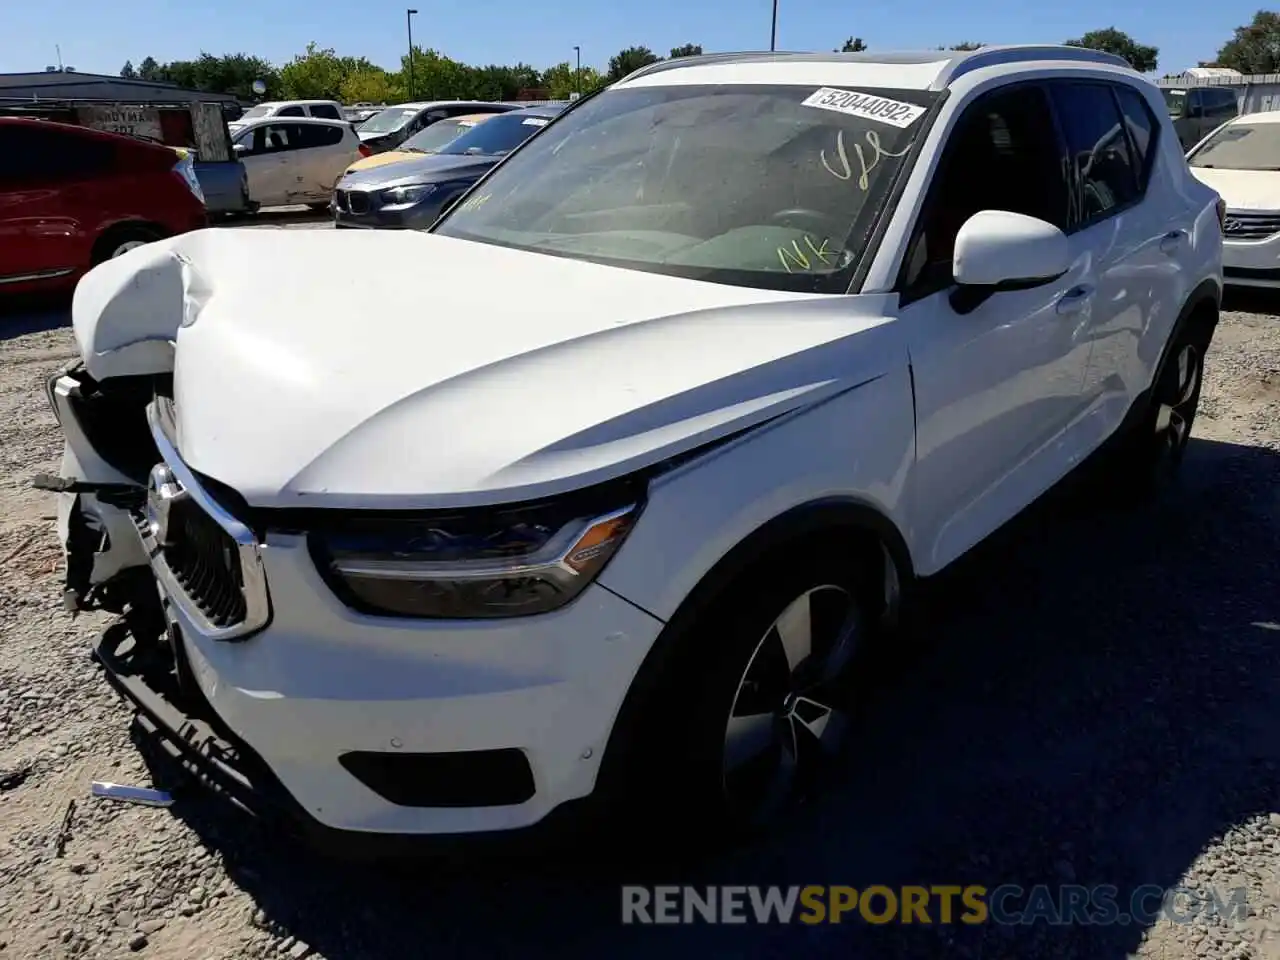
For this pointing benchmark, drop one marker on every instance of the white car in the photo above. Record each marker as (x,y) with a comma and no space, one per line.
(1241,161)
(295,161)
(709,376)
(324,109)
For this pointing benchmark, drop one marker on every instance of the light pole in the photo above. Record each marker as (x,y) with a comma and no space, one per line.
(577,74)
(408,19)
(773,34)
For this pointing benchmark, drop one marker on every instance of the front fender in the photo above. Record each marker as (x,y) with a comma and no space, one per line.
(858,445)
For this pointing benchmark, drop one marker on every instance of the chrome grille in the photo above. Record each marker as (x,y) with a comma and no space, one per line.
(357,201)
(206,563)
(1250,226)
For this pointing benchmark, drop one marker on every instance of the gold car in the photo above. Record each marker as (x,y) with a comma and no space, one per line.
(428,140)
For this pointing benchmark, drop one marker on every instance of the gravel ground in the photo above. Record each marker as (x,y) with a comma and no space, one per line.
(1102,707)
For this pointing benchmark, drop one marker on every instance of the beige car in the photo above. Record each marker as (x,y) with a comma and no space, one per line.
(297,160)
(439,134)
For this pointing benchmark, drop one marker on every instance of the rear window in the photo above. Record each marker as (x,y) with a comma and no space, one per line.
(1142,129)
(291,112)
(326,110)
(44,155)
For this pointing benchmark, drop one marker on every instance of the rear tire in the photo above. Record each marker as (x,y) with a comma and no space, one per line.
(119,240)
(1151,456)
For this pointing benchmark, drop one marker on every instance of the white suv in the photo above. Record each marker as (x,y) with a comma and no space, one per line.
(710,373)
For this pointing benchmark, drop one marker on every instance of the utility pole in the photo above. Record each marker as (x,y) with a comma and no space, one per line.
(408,19)
(577,75)
(773,34)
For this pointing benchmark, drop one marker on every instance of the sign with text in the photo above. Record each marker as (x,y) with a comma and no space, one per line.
(132,121)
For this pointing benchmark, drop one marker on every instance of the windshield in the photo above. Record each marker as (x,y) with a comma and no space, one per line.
(436,136)
(774,187)
(497,136)
(261,110)
(1176,101)
(385,121)
(1241,146)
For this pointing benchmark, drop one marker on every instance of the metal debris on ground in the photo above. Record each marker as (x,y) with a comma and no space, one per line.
(64,834)
(127,794)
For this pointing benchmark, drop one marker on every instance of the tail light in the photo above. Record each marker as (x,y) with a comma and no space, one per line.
(364,151)
(1222,213)
(186,169)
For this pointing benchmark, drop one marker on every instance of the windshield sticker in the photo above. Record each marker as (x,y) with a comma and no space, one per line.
(535,121)
(840,167)
(865,105)
(793,256)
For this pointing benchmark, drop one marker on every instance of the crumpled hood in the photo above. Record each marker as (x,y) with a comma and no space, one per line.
(1243,189)
(392,369)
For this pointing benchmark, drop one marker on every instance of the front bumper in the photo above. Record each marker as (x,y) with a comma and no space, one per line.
(1252,262)
(390,726)
(367,212)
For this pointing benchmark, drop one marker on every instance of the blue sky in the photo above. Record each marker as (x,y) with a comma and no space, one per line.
(99,37)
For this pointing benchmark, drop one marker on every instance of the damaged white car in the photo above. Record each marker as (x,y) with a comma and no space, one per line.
(605,493)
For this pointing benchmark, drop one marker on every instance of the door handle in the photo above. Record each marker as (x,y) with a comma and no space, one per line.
(1171,242)
(1075,299)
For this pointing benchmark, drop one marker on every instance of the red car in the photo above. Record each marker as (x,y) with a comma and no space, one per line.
(71,197)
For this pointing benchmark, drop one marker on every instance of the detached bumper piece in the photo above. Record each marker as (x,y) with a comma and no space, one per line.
(177,723)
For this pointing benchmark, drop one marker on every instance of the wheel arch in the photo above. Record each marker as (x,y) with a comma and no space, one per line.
(109,233)
(871,535)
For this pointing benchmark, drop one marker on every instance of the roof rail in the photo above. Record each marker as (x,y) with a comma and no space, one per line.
(972,60)
(958,63)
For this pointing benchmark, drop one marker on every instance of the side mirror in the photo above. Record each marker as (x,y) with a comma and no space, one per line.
(997,250)
(240,149)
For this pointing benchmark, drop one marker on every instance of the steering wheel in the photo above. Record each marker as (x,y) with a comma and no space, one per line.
(798,216)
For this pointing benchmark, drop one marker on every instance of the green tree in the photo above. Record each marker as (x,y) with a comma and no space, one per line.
(629,61)
(127,71)
(853,45)
(967,45)
(370,85)
(1141,57)
(314,75)
(1255,48)
(436,77)
(560,81)
(148,69)
(687,50)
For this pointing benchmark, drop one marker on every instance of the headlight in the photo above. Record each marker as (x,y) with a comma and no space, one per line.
(485,564)
(410,194)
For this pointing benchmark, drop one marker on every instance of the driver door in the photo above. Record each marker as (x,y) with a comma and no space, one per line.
(998,386)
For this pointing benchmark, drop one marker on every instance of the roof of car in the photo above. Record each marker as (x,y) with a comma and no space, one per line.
(424,104)
(80,131)
(290,103)
(317,121)
(911,69)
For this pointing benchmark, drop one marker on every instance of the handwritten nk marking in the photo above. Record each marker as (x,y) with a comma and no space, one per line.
(865,167)
(794,256)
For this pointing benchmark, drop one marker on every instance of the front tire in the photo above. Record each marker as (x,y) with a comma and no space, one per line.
(770,703)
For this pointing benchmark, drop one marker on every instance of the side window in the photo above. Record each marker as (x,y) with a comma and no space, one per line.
(279,137)
(461,111)
(326,110)
(291,112)
(1096,143)
(434,116)
(318,135)
(1143,131)
(1003,154)
(1224,102)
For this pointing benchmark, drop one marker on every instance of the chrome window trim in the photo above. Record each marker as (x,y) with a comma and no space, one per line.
(171,480)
